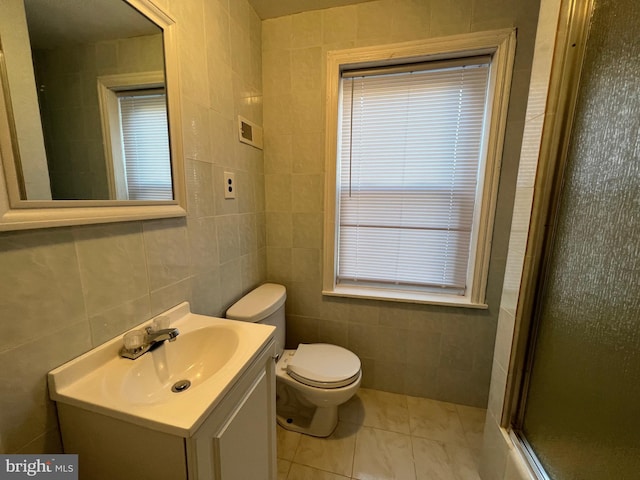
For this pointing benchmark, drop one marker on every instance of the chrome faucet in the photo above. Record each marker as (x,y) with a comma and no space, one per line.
(139,342)
(157,336)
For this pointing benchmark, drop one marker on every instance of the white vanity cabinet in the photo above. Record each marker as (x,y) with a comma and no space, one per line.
(236,441)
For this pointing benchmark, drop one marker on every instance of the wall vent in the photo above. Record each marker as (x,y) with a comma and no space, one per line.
(249,132)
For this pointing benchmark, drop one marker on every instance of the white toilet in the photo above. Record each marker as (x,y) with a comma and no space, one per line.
(311,381)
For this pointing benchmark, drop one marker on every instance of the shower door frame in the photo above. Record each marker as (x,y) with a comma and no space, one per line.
(569,52)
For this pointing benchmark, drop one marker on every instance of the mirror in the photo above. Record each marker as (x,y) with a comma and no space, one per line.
(89,127)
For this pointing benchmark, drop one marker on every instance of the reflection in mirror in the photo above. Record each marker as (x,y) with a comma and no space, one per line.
(99,89)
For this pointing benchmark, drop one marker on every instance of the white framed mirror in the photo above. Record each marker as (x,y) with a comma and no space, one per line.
(90,128)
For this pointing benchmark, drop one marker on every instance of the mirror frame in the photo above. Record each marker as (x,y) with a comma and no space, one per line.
(19,214)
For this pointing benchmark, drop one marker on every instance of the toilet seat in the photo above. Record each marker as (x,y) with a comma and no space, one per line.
(323,366)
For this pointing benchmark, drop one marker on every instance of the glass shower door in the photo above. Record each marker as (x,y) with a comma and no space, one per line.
(581,415)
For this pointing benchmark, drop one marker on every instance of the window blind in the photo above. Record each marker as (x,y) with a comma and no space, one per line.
(409,153)
(146,146)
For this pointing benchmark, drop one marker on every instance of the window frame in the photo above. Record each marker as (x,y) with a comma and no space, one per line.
(109,89)
(500,44)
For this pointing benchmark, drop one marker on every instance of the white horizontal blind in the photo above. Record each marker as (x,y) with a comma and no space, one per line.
(408,158)
(146,146)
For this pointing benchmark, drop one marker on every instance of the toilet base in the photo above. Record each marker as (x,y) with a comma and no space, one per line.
(318,422)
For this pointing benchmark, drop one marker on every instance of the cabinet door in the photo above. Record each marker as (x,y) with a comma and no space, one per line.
(237,441)
(242,444)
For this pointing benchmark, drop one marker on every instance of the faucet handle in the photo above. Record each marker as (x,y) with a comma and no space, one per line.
(159,323)
(134,340)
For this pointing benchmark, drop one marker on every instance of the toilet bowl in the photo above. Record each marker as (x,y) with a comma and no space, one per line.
(313,380)
(308,402)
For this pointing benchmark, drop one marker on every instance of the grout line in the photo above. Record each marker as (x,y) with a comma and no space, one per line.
(288,469)
(319,470)
(355,449)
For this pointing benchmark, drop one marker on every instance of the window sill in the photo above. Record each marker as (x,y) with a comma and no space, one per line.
(371,293)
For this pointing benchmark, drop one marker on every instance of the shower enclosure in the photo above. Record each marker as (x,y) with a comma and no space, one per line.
(579,412)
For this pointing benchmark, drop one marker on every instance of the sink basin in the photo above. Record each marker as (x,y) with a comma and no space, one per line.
(193,356)
(209,355)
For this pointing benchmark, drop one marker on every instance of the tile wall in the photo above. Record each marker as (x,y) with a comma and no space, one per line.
(65,290)
(438,352)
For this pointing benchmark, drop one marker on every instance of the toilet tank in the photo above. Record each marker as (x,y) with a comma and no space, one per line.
(263,305)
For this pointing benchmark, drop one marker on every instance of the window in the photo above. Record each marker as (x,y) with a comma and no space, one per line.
(133,112)
(147,164)
(416,158)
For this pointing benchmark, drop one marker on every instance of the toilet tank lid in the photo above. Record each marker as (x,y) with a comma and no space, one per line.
(259,303)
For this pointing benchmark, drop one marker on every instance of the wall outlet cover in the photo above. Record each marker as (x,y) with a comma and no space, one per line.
(229,185)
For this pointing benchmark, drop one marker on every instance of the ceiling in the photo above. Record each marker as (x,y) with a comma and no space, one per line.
(55,23)
(278,8)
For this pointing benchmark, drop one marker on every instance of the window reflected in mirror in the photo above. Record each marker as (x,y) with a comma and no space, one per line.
(133,113)
(146,162)
(97,148)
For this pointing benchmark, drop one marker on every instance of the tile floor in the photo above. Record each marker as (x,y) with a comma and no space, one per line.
(384,435)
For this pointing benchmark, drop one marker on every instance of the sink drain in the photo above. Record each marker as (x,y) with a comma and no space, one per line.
(180,386)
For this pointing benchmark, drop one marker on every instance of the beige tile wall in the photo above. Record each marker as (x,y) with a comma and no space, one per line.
(442,353)
(65,290)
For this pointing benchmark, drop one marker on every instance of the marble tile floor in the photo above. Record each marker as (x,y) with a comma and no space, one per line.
(383,436)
